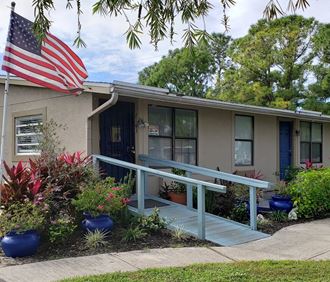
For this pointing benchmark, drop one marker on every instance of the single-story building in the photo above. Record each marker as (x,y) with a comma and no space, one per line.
(124,120)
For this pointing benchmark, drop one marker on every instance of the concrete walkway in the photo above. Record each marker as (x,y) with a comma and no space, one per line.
(302,241)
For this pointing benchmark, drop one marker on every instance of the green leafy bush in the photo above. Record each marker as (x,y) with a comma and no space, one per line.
(152,223)
(61,228)
(21,217)
(279,216)
(310,192)
(102,197)
(133,234)
(239,213)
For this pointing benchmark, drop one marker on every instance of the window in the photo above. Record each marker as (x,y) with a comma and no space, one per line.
(243,140)
(310,142)
(27,135)
(173,134)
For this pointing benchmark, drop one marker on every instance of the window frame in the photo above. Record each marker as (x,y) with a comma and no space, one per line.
(22,156)
(244,140)
(173,135)
(310,143)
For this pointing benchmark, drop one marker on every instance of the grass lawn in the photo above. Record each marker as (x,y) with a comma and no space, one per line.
(240,271)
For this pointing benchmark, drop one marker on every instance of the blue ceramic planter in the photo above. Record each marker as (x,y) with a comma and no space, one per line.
(102,223)
(20,245)
(281,203)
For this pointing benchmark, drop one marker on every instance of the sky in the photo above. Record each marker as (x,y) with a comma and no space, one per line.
(107,56)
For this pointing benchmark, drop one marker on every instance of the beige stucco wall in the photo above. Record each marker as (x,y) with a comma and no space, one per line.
(64,109)
(215,129)
(216,140)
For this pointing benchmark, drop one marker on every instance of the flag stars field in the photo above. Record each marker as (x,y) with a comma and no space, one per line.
(51,64)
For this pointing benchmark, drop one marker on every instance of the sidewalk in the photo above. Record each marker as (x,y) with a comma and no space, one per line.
(302,241)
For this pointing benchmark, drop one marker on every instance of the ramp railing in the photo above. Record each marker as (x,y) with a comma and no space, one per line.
(251,183)
(141,175)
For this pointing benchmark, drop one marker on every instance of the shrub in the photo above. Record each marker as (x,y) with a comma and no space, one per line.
(152,223)
(62,178)
(133,234)
(20,185)
(279,216)
(179,233)
(102,197)
(96,239)
(62,174)
(310,192)
(239,213)
(290,173)
(281,188)
(21,217)
(61,228)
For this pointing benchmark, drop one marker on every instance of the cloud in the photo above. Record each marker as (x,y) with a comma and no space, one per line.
(107,56)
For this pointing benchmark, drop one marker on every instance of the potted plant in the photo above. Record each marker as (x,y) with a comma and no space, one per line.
(174,191)
(19,225)
(98,201)
(177,193)
(281,201)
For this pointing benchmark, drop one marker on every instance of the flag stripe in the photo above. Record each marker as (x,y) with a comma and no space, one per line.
(71,59)
(31,77)
(67,48)
(61,65)
(38,70)
(52,51)
(52,64)
(36,60)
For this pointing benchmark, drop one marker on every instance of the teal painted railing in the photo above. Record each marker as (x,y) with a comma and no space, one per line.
(253,184)
(141,175)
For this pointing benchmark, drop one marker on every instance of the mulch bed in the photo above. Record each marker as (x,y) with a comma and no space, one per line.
(75,246)
(275,226)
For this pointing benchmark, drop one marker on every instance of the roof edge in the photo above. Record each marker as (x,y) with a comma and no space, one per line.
(160,94)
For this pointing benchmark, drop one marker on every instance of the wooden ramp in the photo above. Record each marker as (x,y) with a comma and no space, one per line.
(217,229)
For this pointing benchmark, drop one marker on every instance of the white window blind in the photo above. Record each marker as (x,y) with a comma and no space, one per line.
(27,134)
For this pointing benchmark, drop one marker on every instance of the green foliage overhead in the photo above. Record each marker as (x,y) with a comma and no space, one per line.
(271,64)
(189,71)
(156,17)
(181,72)
(319,91)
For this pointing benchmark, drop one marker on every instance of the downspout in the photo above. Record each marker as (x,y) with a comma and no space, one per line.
(112,101)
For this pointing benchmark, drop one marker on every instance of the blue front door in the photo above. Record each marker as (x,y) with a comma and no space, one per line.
(285,147)
(117,138)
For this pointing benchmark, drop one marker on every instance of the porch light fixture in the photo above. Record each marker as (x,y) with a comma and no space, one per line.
(141,123)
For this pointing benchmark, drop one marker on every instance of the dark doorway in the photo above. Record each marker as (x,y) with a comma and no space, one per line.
(117,137)
(285,147)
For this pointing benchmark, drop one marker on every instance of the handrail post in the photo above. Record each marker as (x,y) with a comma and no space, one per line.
(140,177)
(146,164)
(201,211)
(253,207)
(189,192)
(95,163)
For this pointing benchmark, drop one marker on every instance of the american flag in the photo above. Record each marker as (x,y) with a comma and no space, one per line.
(51,64)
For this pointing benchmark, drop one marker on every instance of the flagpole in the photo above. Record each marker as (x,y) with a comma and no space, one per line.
(4,117)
